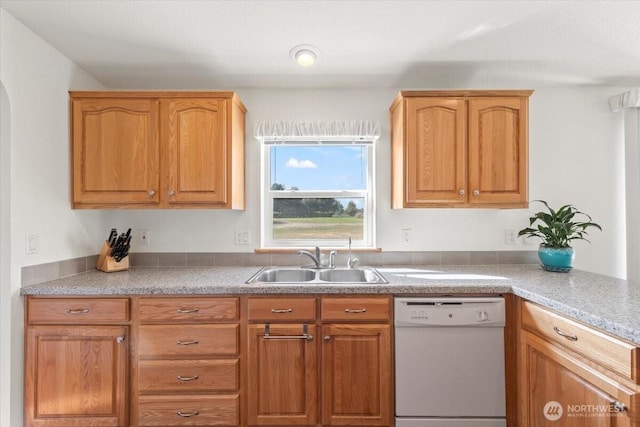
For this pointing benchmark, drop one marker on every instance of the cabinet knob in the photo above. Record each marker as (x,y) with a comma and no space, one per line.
(476,192)
(326,338)
(151,193)
(170,193)
(461,192)
(618,406)
(119,340)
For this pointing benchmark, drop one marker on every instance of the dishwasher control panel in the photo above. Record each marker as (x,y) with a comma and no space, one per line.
(449,311)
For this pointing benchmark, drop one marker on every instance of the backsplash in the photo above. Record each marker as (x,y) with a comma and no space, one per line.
(39,273)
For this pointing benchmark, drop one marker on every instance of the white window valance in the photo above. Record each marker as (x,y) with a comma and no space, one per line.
(629,99)
(364,130)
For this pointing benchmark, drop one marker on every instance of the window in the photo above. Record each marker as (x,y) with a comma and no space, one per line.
(317,193)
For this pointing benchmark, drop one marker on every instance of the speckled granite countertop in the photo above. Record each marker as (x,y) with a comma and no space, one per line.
(605,302)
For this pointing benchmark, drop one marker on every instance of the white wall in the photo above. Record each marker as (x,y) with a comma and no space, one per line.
(37,78)
(576,156)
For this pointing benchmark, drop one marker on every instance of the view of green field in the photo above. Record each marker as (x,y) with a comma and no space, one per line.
(323,228)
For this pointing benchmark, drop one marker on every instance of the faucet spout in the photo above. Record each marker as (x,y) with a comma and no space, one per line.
(315,258)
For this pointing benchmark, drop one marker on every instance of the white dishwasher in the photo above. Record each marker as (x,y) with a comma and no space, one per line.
(449,362)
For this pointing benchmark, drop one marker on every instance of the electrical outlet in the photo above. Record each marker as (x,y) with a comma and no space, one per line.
(406,236)
(510,236)
(143,238)
(242,237)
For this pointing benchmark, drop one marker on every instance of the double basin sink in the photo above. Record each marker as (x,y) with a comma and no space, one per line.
(317,275)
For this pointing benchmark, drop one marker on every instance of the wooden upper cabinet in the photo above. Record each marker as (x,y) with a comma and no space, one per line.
(115,151)
(197,151)
(158,150)
(498,150)
(436,150)
(459,149)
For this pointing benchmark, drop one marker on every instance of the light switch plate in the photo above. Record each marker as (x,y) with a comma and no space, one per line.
(32,243)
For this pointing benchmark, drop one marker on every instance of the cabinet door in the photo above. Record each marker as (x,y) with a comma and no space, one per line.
(282,376)
(497,144)
(554,393)
(356,375)
(115,152)
(197,151)
(76,376)
(435,152)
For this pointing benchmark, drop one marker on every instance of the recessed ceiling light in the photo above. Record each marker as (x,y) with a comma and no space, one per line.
(304,54)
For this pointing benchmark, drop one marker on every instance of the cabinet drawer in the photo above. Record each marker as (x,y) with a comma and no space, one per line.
(77,310)
(187,310)
(617,355)
(298,309)
(188,375)
(359,308)
(185,410)
(176,341)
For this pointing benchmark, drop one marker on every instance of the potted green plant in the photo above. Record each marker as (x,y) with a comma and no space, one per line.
(557,229)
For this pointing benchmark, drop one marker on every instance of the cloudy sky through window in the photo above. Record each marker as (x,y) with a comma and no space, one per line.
(319,167)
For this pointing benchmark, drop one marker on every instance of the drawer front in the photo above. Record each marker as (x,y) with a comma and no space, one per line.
(298,309)
(77,310)
(356,309)
(187,310)
(188,375)
(603,349)
(177,341)
(185,410)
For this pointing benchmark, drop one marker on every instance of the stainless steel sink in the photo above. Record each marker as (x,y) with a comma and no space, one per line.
(351,275)
(283,275)
(317,276)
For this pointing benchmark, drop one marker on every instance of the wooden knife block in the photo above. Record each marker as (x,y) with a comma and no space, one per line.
(108,264)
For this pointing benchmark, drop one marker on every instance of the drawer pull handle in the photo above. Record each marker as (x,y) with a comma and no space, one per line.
(563,334)
(305,334)
(281,310)
(78,311)
(355,310)
(180,342)
(618,406)
(188,310)
(188,414)
(181,378)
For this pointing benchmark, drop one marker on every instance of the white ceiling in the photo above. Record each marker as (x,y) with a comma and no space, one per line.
(159,44)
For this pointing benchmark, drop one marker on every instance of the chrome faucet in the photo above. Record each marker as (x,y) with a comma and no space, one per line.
(351,262)
(315,258)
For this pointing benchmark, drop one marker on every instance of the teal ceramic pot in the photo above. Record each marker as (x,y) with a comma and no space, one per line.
(556,259)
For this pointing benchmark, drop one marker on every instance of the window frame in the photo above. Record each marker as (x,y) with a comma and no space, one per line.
(267,196)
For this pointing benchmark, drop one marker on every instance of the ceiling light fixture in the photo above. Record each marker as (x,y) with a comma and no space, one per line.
(304,54)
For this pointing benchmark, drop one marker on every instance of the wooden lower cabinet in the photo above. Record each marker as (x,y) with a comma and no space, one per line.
(187,362)
(76,362)
(356,380)
(76,376)
(333,368)
(559,387)
(282,387)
